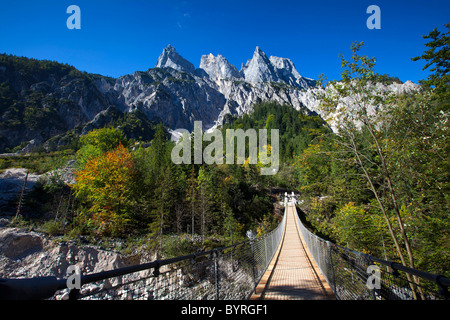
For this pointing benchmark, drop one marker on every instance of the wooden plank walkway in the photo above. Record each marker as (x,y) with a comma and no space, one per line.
(292,274)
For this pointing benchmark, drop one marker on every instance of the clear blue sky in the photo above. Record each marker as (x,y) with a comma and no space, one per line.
(120,37)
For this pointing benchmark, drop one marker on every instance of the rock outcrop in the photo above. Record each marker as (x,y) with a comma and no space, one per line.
(28,254)
(218,67)
(11,183)
(171,59)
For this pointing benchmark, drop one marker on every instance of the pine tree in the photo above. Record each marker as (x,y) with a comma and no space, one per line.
(163,204)
(191,198)
(180,202)
(438,58)
(205,197)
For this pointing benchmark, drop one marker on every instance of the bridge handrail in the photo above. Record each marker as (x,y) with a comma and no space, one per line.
(439,279)
(256,253)
(340,264)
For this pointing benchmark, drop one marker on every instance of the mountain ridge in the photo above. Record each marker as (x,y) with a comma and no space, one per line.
(41,100)
(259,68)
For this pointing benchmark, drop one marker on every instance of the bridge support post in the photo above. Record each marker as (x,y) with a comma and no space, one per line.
(253,263)
(333,280)
(266,261)
(216,272)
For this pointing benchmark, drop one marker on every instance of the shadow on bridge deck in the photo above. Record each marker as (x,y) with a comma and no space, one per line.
(292,273)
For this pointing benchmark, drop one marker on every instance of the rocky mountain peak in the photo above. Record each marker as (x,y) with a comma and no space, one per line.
(286,72)
(218,67)
(284,65)
(170,58)
(259,68)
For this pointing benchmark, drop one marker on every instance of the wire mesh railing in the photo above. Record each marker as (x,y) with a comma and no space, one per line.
(356,276)
(227,273)
(233,272)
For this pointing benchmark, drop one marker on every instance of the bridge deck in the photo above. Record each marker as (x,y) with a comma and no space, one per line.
(292,274)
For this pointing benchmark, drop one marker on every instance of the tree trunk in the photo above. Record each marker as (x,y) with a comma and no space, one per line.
(394,199)
(391,230)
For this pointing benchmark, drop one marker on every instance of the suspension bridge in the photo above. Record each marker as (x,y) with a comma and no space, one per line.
(292,273)
(289,263)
